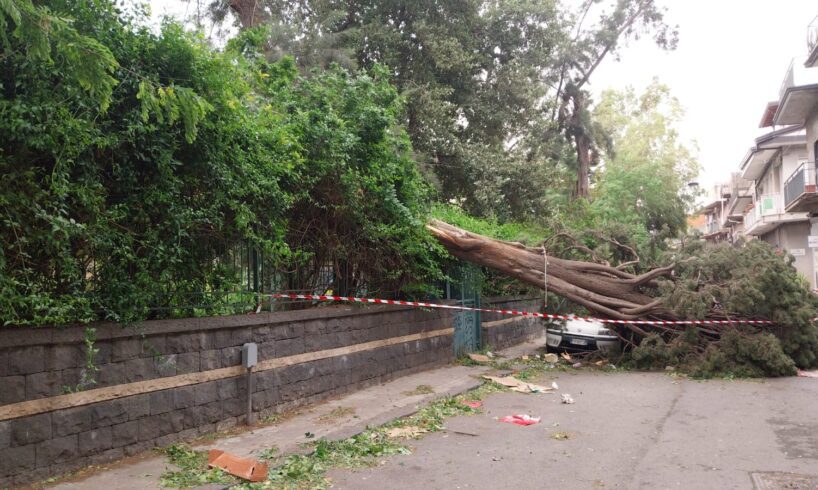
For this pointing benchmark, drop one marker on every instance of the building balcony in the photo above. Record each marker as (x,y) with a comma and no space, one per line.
(812,43)
(797,95)
(740,197)
(715,231)
(767,214)
(800,192)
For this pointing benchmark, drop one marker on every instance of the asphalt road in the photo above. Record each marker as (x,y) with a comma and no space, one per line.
(626,430)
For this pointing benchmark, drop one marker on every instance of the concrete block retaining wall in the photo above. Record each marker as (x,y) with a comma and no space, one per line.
(500,331)
(171,380)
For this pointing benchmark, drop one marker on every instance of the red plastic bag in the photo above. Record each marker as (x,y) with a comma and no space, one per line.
(520,419)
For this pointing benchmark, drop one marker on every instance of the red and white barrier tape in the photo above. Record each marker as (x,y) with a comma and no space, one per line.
(322,297)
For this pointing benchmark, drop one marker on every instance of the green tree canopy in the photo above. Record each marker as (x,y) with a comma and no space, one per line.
(645,175)
(475,76)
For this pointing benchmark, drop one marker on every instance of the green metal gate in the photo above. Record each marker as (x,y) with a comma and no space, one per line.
(464,286)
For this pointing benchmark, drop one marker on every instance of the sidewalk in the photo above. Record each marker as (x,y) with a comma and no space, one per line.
(334,420)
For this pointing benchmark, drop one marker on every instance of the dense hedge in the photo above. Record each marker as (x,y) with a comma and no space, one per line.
(133,168)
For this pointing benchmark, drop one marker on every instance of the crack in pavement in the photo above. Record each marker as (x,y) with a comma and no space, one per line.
(653,439)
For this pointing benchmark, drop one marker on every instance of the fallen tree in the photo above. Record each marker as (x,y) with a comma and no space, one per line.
(697,283)
(599,287)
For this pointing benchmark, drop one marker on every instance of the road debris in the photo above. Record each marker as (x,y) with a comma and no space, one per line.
(567,399)
(472,404)
(566,356)
(576,365)
(509,381)
(560,436)
(520,419)
(519,386)
(525,357)
(408,432)
(245,468)
(479,358)
(808,374)
(555,385)
(551,358)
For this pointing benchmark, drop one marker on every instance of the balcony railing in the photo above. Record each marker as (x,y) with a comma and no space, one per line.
(768,204)
(750,218)
(739,186)
(740,190)
(797,75)
(765,205)
(789,80)
(801,181)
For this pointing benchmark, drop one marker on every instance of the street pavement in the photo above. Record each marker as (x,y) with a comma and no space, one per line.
(625,430)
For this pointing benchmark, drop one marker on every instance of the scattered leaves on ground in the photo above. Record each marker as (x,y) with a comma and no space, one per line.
(307,471)
(193,470)
(269,454)
(365,449)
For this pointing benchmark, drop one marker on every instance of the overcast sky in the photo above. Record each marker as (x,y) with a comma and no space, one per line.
(731,59)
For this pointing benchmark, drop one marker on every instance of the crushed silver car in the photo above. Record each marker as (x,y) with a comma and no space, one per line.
(581,335)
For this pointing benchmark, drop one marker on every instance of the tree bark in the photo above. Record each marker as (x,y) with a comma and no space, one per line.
(577,130)
(250,12)
(602,289)
(583,144)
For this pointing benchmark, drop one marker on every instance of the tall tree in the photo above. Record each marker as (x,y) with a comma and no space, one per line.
(626,19)
(475,75)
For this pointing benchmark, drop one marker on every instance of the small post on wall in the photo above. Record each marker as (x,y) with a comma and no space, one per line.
(249,358)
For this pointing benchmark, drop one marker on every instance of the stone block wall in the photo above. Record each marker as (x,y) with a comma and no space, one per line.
(161,382)
(500,331)
(172,380)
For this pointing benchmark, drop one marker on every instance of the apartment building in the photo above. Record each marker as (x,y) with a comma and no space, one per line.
(777,156)
(774,196)
(716,228)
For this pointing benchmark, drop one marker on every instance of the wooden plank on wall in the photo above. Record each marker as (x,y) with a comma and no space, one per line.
(42,405)
(497,323)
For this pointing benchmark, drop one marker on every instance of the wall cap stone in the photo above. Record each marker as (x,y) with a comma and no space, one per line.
(26,336)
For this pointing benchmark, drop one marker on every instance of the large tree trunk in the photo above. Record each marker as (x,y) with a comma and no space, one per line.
(583,147)
(603,289)
(251,13)
(583,144)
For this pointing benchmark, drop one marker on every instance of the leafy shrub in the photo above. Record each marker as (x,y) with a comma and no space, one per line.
(134,181)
